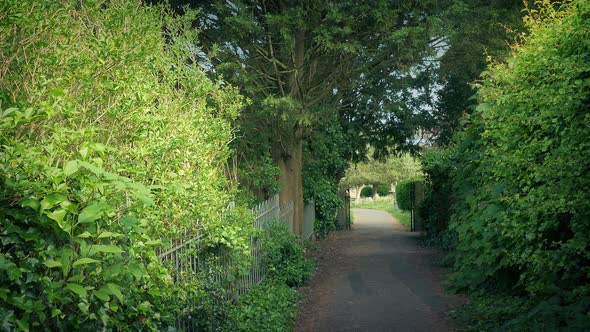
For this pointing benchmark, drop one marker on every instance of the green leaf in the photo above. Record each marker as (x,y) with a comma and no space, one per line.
(113,306)
(109,235)
(51,200)
(66,255)
(86,260)
(76,288)
(91,213)
(154,292)
(57,92)
(57,215)
(84,152)
(108,248)
(50,263)
(55,312)
(71,167)
(84,235)
(136,270)
(115,290)
(14,273)
(101,295)
(32,203)
(153,243)
(92,168)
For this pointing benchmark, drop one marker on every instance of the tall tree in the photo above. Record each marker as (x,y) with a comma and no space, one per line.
(376,172)
(301,61)
(478,30)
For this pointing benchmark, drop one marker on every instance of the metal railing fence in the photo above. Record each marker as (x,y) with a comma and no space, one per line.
(189,253)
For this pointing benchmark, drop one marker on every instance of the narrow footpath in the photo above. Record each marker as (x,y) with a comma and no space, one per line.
(376,277)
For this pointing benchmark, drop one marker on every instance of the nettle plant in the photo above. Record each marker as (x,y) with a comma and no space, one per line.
(112,140)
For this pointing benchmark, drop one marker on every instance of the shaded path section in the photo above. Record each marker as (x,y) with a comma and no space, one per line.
(376,277)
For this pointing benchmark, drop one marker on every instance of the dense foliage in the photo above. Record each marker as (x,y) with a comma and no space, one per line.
(405,193)
(285,256)
(520,180)
(271,305)
(383,189)
(366,192)
(305,66)
(436,209)
(104,121)
(324,164)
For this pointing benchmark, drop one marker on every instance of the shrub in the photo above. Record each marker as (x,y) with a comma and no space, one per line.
(284,256)
(405,193)
(521,176)
(383,189)
(105,132)
(439,197)
(327,202)
(324,158)
(270,306)
(367,192)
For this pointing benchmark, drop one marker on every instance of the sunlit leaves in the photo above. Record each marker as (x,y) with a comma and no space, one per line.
(520,174)
(109,140)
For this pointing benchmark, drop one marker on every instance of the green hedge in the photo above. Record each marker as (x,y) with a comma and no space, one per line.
(109,142)
(271,305)
(404,193)
(520,177)
(436,209)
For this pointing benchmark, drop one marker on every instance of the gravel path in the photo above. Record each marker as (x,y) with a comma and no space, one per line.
(376,277)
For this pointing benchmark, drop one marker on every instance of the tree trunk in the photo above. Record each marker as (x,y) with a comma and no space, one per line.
(291,183)
(290,160)
(358,193)
(374,186)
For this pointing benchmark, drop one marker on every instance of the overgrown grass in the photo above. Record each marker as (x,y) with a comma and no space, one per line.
(384,204)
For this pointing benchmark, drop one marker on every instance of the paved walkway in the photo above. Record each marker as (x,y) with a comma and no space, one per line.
(376,277)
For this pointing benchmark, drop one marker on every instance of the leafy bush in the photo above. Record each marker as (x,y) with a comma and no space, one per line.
(324,159)
(521,177)
(327,202)
(367,192)
(284,256)
(383,189)
(270,306)
(439,197)
(102,124)
(405,193)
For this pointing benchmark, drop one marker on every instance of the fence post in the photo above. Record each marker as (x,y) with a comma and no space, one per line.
(308,220)
(347,209)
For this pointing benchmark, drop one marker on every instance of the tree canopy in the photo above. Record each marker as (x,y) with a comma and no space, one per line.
(301,62)
(389,171)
